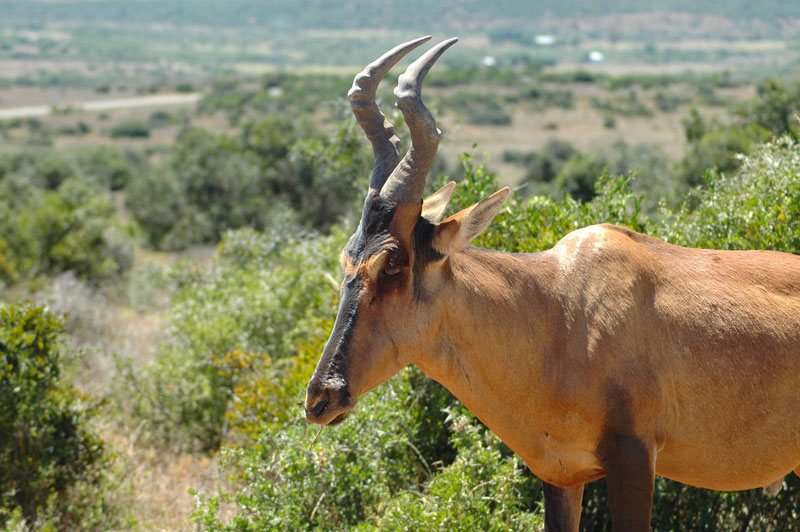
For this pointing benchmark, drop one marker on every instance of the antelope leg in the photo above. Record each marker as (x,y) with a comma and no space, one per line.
(562,508)
(630,474)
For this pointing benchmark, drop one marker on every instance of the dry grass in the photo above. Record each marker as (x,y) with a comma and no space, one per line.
(159,481)
(582,126)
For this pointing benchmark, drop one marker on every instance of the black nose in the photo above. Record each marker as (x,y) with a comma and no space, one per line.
(318,408)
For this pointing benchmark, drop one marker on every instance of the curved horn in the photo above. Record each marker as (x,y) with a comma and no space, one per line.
(385,145)
(407,180)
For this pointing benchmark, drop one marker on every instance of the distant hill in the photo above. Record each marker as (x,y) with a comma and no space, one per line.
(449,15)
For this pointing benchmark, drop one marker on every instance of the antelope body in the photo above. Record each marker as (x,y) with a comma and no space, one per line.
(611,355)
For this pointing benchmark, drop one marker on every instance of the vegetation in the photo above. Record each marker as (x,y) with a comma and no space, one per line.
(182,261)
(64,225)
(318,14)
(51,463)
(274,170)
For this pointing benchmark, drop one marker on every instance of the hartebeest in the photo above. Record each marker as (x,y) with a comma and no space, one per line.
(612,354)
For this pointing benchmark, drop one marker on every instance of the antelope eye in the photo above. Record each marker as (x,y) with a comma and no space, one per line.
(391,271)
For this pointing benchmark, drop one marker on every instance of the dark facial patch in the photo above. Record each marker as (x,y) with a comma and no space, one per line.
(373,232)
(374,228)
(338,346)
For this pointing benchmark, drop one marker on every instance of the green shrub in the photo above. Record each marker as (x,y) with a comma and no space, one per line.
(73,228)
(266,294)
(184,86)
(49,459)
(548,98)
(477,108)
(367,474)
(775,108)
(758,207)
(130,129)
(629,105)
(668,102)
(283,484)
(719,148)
(213,183)
(108,167)
(484,488)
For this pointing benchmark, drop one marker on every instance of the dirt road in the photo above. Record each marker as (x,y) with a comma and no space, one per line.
(156,100)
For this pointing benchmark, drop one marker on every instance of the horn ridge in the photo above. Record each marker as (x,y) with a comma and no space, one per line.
(379,131)
(407,180)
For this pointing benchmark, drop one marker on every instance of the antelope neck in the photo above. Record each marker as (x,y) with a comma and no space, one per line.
(492,339)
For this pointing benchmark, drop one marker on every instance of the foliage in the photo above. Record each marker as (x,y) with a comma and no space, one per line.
(321,15)
(775,108)
(367,474)
(106,167)
(264,297)
(561,168)
(756,208)
(548,98)
(130,129)
(716,147)
(272,171)
(74,227)
(629,105)
(51,463)
(485,488)
(478,109)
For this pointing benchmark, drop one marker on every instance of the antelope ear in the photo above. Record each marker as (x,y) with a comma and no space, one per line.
(456,232)
(434,205)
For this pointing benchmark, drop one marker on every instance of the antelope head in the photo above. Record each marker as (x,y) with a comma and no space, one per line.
(396,263)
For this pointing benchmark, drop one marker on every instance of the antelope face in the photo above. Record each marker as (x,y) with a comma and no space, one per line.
(393,263)
(377,329)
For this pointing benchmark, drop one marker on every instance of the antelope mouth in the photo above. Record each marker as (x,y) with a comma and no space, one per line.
(328,414)
(338,419)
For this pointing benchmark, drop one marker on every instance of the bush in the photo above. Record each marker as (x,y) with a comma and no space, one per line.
(369,475)
(48,456)
(477,108)
(213,183)
(284,484)
(264,297)
(775,108)
(718,148)
(73,228)
(130,129)
(756,208)
(547,98)
(625,106)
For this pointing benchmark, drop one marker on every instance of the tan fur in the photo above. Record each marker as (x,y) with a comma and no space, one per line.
(456,232)
(705,344)
(434,205)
